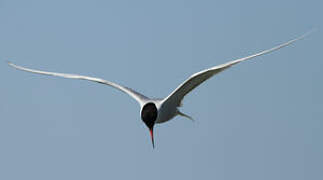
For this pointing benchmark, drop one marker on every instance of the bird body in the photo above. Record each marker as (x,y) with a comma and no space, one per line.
(156,111)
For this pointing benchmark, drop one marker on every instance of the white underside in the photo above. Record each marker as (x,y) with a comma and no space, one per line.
(167,107)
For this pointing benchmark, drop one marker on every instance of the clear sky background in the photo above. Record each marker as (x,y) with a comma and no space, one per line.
(261,119)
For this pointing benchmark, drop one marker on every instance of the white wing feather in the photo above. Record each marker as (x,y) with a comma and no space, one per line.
(141,99)
(198,78)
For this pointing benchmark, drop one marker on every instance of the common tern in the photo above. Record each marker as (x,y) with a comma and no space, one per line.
(156,111)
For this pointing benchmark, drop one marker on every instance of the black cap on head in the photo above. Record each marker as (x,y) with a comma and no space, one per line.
(149,115)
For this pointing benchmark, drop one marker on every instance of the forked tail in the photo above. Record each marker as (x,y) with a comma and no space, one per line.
(184,115)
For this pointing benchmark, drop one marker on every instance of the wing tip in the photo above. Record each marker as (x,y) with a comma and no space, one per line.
(311,31)
(12,64)
(9,63)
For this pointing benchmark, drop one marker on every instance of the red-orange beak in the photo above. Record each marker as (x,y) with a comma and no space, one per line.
(152,136)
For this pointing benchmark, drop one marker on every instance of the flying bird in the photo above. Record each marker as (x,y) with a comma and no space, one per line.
(156,111)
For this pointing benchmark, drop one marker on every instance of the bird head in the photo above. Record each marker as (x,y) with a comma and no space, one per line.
(149,115)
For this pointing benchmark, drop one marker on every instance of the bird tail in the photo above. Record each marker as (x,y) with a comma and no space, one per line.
(184,115)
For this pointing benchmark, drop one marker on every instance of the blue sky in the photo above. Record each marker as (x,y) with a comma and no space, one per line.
(261,119)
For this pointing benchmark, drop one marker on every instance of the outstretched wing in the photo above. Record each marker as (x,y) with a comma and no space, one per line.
(198,78)
(137,96)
